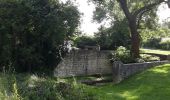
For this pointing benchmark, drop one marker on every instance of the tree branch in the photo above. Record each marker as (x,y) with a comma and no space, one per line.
(140,16)
(168,2)
(147,7)
(123,4)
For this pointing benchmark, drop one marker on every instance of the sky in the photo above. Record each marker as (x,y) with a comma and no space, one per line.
(88,27)
(87,24)
(163,12)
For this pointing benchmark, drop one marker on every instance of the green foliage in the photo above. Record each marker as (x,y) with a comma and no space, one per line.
(149,21)
(118,33)
(82,41)
(32,87)
(134,11)
(158,43)
(166,23)
(32,30)
(149,58)
(99,15)
(122,54)
(153,43)
(112,10)
(165,45)
(148,35)
(103,38)
(115,36)
(107,10)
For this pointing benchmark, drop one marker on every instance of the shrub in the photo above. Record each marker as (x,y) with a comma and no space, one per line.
(32,30)
(32,87)
(165,45)
(82,41)
(114,36)
(158,44)
(153,43)
(122,54)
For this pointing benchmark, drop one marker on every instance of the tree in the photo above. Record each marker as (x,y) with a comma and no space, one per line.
(166,23)
(83,41)
(32,30)
(114,36)
(133,11)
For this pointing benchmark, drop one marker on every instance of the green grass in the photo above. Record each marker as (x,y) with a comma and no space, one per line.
(153,84)
(156,51)
(32,87)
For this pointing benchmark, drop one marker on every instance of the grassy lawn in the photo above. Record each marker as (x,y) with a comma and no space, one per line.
(153,84)
(157,51)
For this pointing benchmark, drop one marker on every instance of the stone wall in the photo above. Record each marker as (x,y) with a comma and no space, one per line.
(122,71)
(90,62)
(84,62)
(168,57)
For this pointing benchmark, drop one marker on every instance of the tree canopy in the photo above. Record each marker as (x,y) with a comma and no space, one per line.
(32,30)
(133,11)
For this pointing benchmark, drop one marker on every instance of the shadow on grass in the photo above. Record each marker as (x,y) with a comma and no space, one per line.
(152,84)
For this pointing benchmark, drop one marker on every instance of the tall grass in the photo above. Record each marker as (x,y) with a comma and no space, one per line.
(33,87)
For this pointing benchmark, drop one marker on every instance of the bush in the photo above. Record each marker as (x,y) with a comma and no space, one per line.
(165,45)
(114,36)
(82,41)
(32,87)
(153,43)
(158,44)
(32,30)
(122,54)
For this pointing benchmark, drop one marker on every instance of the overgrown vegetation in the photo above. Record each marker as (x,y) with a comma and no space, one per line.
(123,54)
(31,32)
(34,33)
(33,87)
(139,87)
(82,41)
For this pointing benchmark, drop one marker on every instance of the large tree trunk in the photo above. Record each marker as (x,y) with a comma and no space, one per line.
(135,38)
(132,19)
